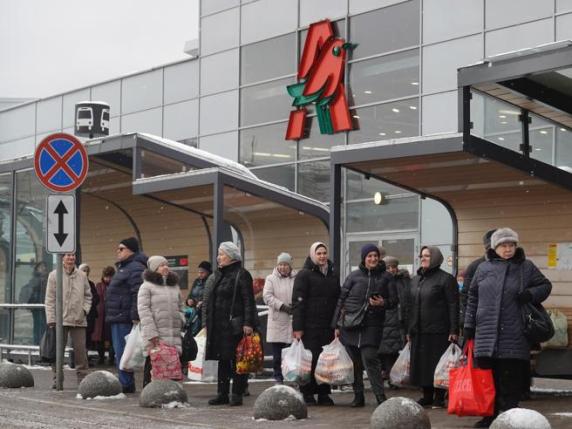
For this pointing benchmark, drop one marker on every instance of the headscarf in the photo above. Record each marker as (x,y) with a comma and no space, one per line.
(313,248)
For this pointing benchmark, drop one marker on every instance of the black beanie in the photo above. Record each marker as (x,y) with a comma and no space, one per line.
(205,265)
(368,248)
(131,243)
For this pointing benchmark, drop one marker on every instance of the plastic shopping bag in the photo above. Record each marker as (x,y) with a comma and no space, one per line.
(471,390)
(334,365)
(48,345)
(249,355)
(296,363)
(201,369)
(134,354)
(560,322)
(399,374)
(450,359)
(165,362)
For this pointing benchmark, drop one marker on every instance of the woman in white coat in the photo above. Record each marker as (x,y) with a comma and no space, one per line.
(277,295)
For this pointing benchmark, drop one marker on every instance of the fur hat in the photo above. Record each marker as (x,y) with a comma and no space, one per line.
(284,258)
(231,250)
(206,266)
(503,235)
(487,238)
(367,249)
(131,243)
(391,260)
(154,262)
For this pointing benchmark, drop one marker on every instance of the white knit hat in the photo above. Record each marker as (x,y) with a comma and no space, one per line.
(284,258)
(231,250)
(154,262)
(503,235)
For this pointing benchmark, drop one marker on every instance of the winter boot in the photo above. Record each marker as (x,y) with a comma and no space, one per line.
(325,400)
(220,399)
(309,399)
(359,400)
(235,400)
(381,398)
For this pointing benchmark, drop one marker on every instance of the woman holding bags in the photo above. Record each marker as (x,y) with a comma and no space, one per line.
(365,295)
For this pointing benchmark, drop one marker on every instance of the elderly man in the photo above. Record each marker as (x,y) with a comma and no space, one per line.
(76,304)
(121,301)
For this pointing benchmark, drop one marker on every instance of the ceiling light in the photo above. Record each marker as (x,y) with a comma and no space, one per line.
(382,134)
(261,154)
(501,139)
(504,122)
(415,83)
(538,149)
(509,112)
(413,107)
(502,116)
(397,132)
(368,92)
(543,132)
(281,155)
(563,129)
(379,198)
(395,110)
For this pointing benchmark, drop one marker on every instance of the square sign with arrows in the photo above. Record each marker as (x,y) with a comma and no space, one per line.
(61,224)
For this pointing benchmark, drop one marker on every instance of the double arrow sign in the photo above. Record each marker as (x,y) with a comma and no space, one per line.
(61,224)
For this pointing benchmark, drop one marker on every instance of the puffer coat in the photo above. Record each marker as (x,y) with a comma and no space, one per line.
(160,308)
(277,292)
(221,342)
(121,294)
(360,285)
(493,310)
(395,324)
(76,296)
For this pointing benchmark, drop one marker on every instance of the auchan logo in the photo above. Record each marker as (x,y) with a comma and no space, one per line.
(321,77)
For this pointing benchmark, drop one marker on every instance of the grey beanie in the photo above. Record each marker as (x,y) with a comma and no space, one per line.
(503,235)
(391,260)
(154,261)
(231,250)
(284,258)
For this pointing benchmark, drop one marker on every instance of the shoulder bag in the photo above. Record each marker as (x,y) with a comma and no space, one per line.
(537,324)
(236,322)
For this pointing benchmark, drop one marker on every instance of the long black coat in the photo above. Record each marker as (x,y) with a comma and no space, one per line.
(121,294)
(360,285)
(395,324)
(221,343)
(314,301)
(493,310)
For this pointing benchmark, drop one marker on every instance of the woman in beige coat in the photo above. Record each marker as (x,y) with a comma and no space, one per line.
(160,308)
(277,295)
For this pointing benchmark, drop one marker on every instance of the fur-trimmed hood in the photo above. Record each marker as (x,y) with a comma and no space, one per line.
(156,278)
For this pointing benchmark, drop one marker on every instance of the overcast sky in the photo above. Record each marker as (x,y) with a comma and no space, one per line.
(52,46)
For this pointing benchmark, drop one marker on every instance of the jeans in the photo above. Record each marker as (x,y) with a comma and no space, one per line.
(118,333)
(277,360)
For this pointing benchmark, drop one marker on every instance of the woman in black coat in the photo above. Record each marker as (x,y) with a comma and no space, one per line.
(221,340)
(366,294)
(314,299)
(502,284)
(433,322)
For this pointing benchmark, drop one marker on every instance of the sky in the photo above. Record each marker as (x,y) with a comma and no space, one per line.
(52,46)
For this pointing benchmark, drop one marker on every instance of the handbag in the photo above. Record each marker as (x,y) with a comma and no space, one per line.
(236,322)
(48,345)
(537,324)
(354,320)
(189,346)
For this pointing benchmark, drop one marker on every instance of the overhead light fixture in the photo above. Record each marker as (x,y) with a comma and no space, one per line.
(504,122)
(382,134)
(502,116)
(395,110)
(563,129)
(368,92)
(415,83)
(543,132)
(501,139)
(379,198)
(397,132)
(413,107)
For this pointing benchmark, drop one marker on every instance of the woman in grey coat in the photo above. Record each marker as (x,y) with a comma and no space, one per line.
(502,284)
(160,308)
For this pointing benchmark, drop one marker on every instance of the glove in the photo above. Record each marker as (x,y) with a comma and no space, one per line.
(524,297)
(468,333)
(286,308)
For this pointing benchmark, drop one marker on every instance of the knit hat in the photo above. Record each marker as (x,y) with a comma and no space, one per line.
(503,235)
(154,262)
(487,238)
(284,258)
(108,272)
(313,248)
(367,249)
(131,243)
(83,267)
(231,250)
(391,260)
(206,266)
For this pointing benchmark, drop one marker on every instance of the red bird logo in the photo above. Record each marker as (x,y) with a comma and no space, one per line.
(321,76)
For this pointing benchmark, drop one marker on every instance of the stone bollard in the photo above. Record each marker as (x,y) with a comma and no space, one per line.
(520,418)
(14,376)
(159,393)
(99,383)
(400,413)
(280,402)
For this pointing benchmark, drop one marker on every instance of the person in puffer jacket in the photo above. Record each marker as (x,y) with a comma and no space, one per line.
(160,308)
(501,286)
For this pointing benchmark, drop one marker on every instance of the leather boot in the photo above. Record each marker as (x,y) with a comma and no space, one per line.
(235,400)
(220,399)
(359,400)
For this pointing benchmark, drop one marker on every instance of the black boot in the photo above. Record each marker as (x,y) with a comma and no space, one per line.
(325,400)
(439,398)
(359,400)
(381,398)
(220,399)
(235,400)
(309,399)
(485,422)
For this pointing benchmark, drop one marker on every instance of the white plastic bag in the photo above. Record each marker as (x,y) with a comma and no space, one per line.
(560,322)
(296,363)
(201,369)
(450,359)
(134,354)
(334,365)
(399,374)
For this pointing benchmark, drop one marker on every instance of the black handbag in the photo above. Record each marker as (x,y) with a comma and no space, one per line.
(48,345)
(354,320)
(190,348)
(236,322)
(537,323)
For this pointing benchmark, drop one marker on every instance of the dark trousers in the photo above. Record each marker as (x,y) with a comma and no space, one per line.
(312,387)
(368,359)
(510,377)
(277,360)
(387,362)
(226,371)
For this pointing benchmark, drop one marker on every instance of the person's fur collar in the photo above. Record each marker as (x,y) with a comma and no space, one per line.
(156,278)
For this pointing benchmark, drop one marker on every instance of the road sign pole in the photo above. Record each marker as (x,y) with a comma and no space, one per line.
(60,340)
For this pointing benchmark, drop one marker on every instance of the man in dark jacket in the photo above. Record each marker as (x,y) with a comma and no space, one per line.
(121,301)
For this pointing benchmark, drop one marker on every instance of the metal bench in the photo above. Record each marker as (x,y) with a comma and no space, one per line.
(7,349)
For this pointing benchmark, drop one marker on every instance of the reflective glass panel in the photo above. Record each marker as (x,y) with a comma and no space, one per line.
(384,78)
(541,135)
(268,59)
(314,180)
(142,91)
(5,238)
(266,102)
(395,214)
(182,81)
(49,115)
(109,93)
(358,187)
(25,325)
(153,164)
(564,148)
(282,175)
(266,145)
(318,145)
(5,325)
(385,121)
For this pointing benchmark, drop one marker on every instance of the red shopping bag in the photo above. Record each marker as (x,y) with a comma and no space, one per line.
(165,363)
(471,390)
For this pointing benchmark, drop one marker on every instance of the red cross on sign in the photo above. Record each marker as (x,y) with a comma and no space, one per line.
(61,162)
